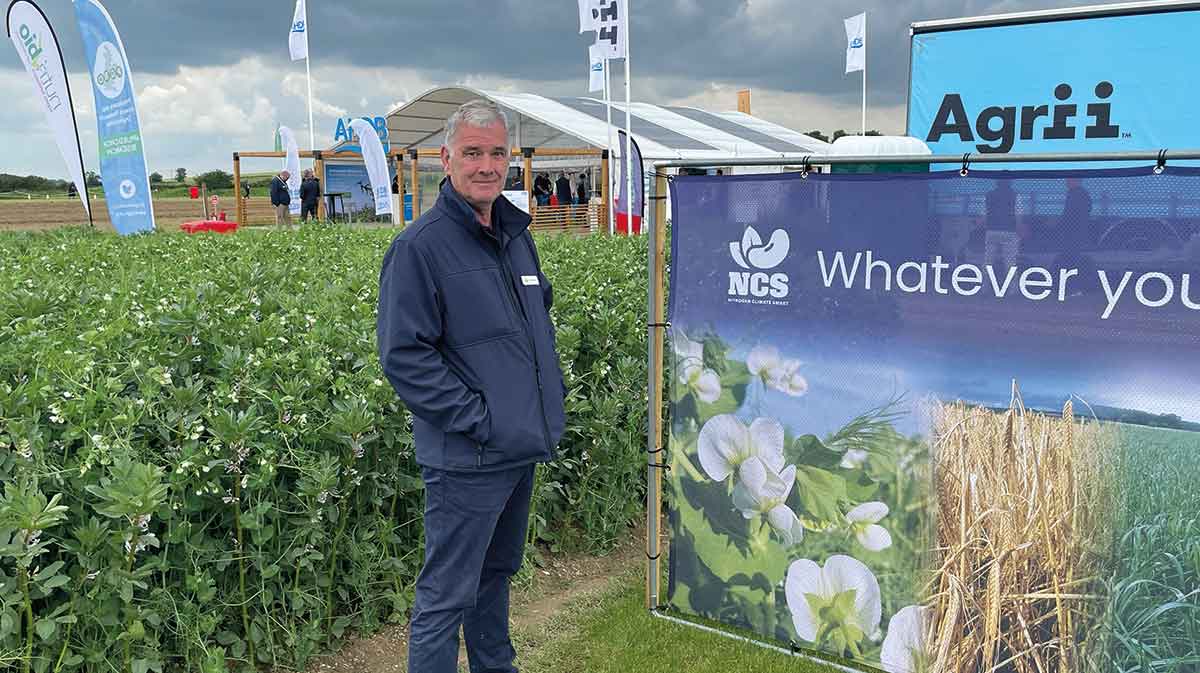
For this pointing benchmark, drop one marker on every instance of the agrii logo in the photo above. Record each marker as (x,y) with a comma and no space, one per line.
(110,70)
(38,66)
(755,286)
(1002,126)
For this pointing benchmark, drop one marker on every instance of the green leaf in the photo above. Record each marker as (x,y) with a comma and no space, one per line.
(141,666)
(48,571)
(55,582)
(270,571)
(45,628)
(820,493)
(809,450)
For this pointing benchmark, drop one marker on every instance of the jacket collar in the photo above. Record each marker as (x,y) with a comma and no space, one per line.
(505,216)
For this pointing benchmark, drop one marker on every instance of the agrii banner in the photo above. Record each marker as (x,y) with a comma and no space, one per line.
(1096,84)
(122,161)
(38,48)
(377,165)
(931,422)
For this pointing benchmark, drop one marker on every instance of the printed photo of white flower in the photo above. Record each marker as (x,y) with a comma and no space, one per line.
(776,372)
(761,491)
(836,606)
(904,648)
(725,443)
(864,523)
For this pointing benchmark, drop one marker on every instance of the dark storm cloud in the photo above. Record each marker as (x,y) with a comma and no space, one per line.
(792,45)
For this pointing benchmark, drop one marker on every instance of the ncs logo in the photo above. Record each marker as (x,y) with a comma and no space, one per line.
(999,127)
(752,254)
(110,70)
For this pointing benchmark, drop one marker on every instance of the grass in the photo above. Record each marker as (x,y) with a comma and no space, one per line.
(1155,608)
(612,632)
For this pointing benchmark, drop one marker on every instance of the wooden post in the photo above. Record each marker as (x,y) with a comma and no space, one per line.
(744,101)
(319,169)
(239,208)
(605,197)
(527,152)
(416,185)
(654,439)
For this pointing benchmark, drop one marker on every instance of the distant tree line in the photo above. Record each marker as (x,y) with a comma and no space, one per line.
(30,183)
(1135,417)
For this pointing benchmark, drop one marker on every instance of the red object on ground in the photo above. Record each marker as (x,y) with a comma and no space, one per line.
(218,226)
(194,192)
(554,199)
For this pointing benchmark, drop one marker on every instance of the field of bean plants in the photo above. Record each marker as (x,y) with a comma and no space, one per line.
(204,468)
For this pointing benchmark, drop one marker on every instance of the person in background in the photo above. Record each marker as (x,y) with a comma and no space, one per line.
(581,190)
(281,198)
(542,189)
(310,195)
(562,189)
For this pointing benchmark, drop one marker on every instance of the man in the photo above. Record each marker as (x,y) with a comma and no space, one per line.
(581,190)
(281,198)
(466,341)
(310,195)
(562,189)
(542,189)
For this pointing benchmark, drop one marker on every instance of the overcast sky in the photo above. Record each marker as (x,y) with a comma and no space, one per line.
(213,76)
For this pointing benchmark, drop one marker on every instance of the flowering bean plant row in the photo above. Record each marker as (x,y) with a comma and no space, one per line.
(204,468)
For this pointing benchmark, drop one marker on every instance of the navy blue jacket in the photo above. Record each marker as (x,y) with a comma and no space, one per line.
(465,338)
(280,195)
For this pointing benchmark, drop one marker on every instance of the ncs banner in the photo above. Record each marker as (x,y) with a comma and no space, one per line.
(928,422)
(377,165)
(629,213)
(1088,84)
(122,160)
(291,164)
(37,45)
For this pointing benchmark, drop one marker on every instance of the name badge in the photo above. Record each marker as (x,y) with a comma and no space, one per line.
(529,280)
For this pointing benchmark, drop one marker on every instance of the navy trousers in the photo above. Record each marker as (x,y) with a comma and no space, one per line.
(475,526)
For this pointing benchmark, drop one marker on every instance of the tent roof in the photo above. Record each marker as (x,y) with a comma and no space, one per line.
(570,122)
(861,146)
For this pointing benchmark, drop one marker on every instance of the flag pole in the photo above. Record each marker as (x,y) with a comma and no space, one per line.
(626,151)
(312,136)
(864,78)
(608,113)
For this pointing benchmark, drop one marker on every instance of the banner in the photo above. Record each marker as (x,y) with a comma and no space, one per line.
(291,164)
(856,43)
(611,28)
(933,422)
(625,214)
(298,35)
(122,159)
(595,69)
(350,178)
(37,45)
(589,15)
(1096,84)
(377,165)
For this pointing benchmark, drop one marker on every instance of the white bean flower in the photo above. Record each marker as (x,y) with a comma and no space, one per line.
(762,491)
(838,605)
(904,648)
(864,522)
(783,375)
(703,383)
(686,349)
(854,458)
(725,443)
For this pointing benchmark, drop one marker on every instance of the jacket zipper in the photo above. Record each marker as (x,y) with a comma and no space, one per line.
(537,369)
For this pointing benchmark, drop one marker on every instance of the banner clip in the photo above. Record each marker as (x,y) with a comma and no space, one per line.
(1161,164)
(655,557)
(658,450)
(806,167)
(966,161)
(666,325)
(663,466)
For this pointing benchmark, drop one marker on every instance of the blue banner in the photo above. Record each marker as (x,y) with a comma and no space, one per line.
(122,160)
(908,411)
(1102,84)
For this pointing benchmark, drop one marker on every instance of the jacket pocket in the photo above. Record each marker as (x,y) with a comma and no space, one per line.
(461,451)
(477,307)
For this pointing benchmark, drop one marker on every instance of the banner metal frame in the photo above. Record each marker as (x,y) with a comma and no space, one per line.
(655,297)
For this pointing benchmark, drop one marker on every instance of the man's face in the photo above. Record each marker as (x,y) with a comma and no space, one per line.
(477,161)
(285,175)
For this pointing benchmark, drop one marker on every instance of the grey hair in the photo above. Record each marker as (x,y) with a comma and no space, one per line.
(478,113)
